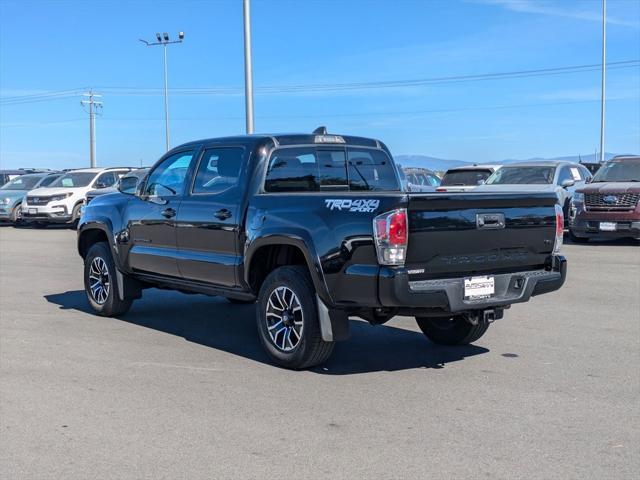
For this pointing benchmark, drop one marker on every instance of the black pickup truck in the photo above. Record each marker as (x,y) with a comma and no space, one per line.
(316,228)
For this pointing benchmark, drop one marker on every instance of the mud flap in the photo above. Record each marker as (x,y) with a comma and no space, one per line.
(334,324)
(128,288)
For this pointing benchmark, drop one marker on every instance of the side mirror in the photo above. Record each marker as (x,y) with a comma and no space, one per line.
(568,183)
(100,185)
(128,185)
(481,182)
(589,180)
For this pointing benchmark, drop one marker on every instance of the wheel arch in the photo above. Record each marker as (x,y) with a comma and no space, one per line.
(267,253)
(91,233)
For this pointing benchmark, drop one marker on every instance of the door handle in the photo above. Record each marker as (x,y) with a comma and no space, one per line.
(222,214)
(168,213)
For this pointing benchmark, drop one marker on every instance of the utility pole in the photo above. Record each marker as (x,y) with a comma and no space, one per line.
(248,70)
(164,41)
(93,105)
(604,70)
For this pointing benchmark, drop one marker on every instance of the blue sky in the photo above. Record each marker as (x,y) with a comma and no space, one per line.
(59,45)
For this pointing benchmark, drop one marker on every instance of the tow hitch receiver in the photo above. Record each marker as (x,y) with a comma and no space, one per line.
(482,316)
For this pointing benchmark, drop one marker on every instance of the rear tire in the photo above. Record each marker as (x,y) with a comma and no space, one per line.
(287,316)
(101,282)
(453,330)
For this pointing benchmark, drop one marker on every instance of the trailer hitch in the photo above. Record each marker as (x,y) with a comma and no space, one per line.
(483,316)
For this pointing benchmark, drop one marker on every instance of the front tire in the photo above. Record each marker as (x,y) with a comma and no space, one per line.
(101,282)
(16,214)
(576,239)
(75,216)
(455,330)
(287,316)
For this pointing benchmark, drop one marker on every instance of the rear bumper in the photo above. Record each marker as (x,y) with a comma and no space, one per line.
(395,289)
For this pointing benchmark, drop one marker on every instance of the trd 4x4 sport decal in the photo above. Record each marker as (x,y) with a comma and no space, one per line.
(358,205)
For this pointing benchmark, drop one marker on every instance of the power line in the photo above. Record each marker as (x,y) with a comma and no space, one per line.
(336,115)
(139,91)
(373,85)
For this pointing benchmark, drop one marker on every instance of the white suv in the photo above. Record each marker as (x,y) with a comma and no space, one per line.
(61,201)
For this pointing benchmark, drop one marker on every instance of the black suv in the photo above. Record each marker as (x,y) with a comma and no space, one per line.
(315,228)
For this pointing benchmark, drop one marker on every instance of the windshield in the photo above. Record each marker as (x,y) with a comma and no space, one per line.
(464,177)
(25,182)
(522,176)
(618,172)
(74,180)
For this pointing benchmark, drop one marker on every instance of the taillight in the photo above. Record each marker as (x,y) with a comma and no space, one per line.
(559,229)
(391,234)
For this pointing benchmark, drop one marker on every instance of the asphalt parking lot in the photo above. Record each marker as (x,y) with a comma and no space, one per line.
(180,388)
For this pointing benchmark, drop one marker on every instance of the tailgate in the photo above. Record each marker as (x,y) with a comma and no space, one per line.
(474,233)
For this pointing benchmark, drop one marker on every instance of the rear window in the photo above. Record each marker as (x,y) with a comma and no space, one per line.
(313,169)
(464,177)
(523,176)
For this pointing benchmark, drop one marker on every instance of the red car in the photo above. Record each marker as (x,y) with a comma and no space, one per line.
(609,206)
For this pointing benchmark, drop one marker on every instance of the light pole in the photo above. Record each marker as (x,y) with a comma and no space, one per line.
(248,70)
(164,41)
(604,72)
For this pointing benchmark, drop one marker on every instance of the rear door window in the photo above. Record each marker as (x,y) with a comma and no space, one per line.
(218,170)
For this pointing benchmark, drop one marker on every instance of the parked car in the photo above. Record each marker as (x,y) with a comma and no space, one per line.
(7,175)
(421,179)
(545,176)
(13,192)
(127,184)
(609,206)
(593,167)
(463,179)
(61,201)
(315,228)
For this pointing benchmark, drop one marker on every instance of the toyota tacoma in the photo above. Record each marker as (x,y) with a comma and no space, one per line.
(315,228)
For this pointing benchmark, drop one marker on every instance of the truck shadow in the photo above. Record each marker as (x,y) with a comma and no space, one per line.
(215,323)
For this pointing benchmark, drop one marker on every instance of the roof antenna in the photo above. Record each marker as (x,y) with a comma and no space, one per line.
(320,131)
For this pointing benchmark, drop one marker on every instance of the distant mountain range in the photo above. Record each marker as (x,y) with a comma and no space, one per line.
(441,164)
